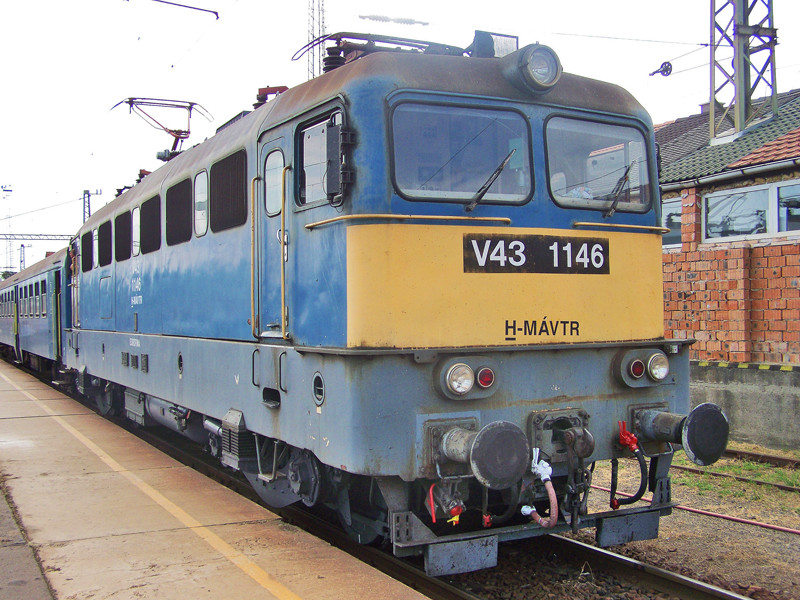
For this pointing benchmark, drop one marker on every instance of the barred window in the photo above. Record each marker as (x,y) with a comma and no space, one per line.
(179,213)
(151,225)
(104,244)
(228,201)
(122,236)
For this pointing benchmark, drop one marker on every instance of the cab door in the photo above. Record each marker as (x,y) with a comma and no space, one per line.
(274,212)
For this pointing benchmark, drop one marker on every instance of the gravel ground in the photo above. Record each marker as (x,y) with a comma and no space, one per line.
(749,560)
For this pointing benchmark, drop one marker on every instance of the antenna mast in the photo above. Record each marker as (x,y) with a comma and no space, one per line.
(745,27)
(316,29)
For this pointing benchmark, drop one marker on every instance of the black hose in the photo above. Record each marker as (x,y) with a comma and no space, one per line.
(511,509)
(617,502)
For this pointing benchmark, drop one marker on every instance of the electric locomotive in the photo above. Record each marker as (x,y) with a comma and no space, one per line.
(422,289)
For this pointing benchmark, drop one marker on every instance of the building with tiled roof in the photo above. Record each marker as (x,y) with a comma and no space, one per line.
(732,256)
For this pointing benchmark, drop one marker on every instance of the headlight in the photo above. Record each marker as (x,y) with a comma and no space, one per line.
(540,67)
(658,367)
(460,378)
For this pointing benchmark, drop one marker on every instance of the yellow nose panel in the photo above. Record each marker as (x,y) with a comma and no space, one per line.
(440,286)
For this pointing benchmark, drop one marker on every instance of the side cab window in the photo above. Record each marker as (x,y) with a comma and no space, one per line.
(321,176)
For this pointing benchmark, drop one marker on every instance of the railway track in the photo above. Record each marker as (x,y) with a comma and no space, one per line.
(771,459)
(632,572)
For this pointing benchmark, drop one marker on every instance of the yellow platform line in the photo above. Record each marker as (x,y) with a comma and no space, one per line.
(258,574)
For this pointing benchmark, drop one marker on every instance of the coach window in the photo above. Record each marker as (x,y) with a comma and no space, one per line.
(273,182)
(228,192)
(36,300)
(44,298)
(179,213)
(151,225)
(201,203)
(104,244)
(24,300)
(598,166)
(136,231)
(86,252)
(314,160)
(31,301)
(122,236)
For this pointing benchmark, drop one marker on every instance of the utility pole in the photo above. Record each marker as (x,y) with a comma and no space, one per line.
(22,258)
(6,190)
(87,203)
(316,28)
(745,27)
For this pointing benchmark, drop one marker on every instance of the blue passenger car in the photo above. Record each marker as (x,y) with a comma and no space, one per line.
(30,313)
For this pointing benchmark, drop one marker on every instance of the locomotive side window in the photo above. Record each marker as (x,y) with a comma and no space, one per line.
(86,252)
(273,188)
(94,247)
(136,231)
(104,244)
(598,166)
(448,153)
(228,197)
(179,213)
(314,159)
(151,225)
(201,203)
(122,236)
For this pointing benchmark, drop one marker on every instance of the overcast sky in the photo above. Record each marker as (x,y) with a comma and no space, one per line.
(64,64)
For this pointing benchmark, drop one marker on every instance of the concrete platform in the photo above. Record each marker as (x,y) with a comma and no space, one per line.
(111,517)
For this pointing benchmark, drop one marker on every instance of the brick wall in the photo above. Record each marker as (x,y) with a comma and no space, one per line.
(740,300)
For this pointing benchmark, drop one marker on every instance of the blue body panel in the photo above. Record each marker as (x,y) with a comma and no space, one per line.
(206,313)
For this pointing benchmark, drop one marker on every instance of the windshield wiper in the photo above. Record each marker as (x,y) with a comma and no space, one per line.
(616,193)
(492,178)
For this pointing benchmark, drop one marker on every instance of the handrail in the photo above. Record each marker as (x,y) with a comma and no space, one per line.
(501,220)
(253,323)
(284,255)
(650,228)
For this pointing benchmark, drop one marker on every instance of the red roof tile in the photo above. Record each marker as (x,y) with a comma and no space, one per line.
(786,146)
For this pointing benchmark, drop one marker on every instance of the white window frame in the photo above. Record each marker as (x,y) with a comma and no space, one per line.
(772,212)
(679,202)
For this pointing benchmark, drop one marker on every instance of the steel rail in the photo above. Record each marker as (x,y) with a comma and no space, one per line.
(650,576)
(696,471)
(772,459)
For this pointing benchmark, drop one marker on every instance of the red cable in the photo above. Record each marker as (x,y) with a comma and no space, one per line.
(433,506)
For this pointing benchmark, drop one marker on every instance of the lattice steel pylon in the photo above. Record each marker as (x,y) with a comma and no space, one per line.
(316,28)
(747,28)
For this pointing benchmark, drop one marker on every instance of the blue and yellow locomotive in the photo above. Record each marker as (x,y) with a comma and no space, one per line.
(422,289)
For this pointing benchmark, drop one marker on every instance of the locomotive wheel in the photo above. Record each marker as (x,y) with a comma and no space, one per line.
(106,402)
(362,515)
(363,529)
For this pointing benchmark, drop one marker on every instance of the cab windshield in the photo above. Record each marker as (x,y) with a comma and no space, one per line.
(448,153)
(597,165)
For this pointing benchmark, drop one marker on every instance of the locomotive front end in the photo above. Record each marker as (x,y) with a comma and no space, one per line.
(521,268)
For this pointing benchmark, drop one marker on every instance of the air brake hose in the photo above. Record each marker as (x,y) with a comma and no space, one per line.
(490,519)
(628,440)
(553,518)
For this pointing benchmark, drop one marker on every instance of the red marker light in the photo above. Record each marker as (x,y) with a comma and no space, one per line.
(636,368)
(485,377)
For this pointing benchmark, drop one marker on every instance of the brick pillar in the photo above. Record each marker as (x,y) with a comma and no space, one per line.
(691,220)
